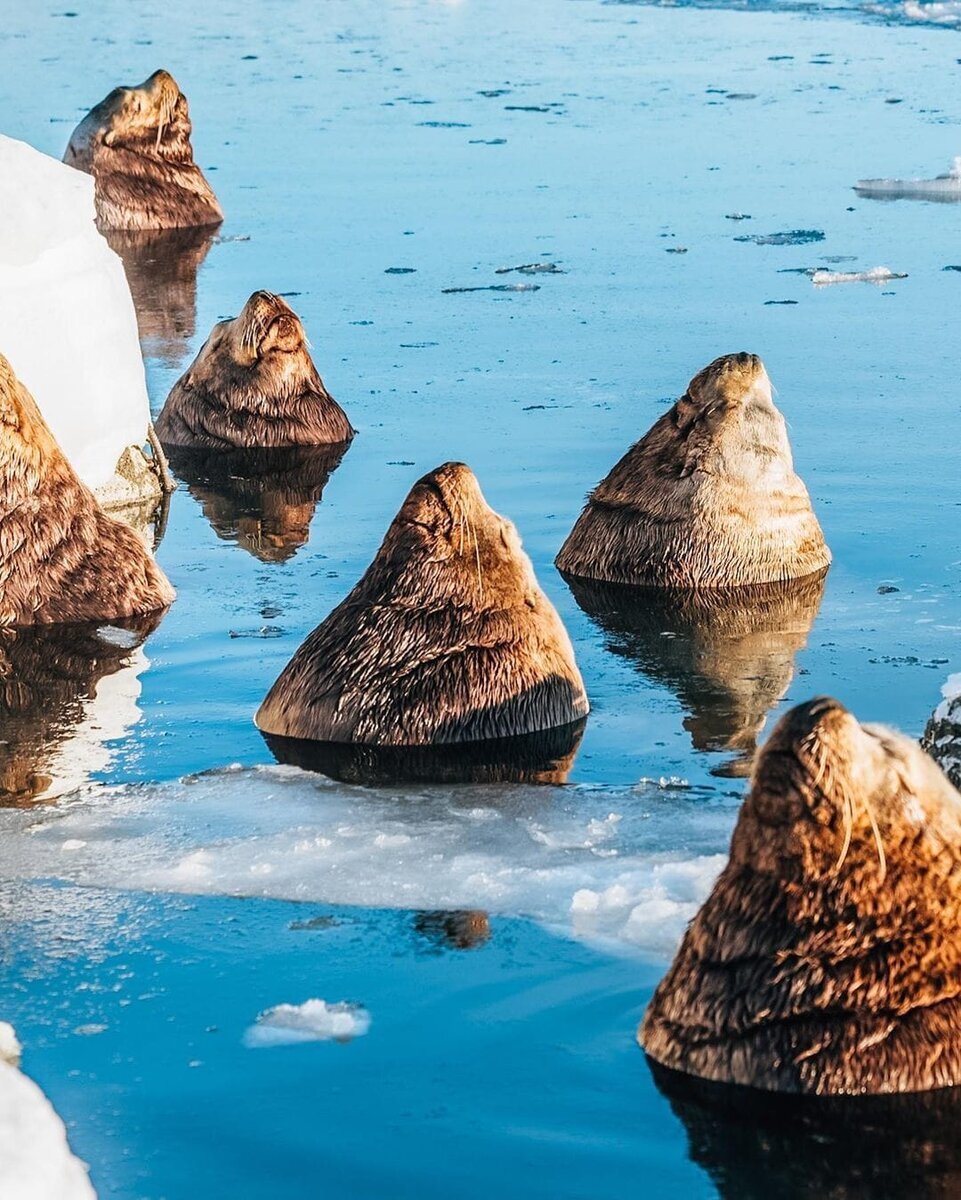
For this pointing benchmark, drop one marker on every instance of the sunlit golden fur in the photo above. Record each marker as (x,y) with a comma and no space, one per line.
(827,959)
(727,653)
(254,384)
(62,559)
(47,675)
(707,498)
(446,638)
(136,145)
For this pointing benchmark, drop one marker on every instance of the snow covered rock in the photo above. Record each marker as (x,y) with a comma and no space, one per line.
(942,736)
(67,321)
(36,1162)
(10,1047)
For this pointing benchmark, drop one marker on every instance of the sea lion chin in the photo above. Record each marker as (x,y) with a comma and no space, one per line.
(136,145)
(827,959)
(62,559)
(446,638)
(254,384)
(707,498)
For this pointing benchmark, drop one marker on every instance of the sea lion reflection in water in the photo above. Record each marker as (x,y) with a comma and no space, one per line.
(827,959)
(727,653)
(708,498)
(446,640)
(65,690)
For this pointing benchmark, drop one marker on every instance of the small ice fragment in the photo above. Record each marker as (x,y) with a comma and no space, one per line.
(535,268)
(73,844)
(312,1021)
(493,287)
(940,12)
(737,216)
(90,1030)
(943,187)
(875,275)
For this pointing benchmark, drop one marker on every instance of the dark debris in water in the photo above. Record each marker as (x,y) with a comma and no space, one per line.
(493,287)
(675,249)
(737,216)
(443,125)
(400,270)
(780,302)
(952,267)
(265,631)
(488,142)
(535,268)
(789,237)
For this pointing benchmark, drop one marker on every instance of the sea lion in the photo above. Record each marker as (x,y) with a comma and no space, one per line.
(62,559)
(254,384)
(454,929)
(50,678)
(545,757)
(757,1145)
(827,959)
(264,500)
(707,498)
(942,734)
(136,145)
(446,638)
(727,653)
(161,266)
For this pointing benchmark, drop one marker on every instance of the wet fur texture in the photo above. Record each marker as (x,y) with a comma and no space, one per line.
(62,559)
(446,638)
(136,145)
(254,384)
(827,959)
(707,498)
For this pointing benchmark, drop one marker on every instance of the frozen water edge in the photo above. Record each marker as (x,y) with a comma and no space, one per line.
(624,866)
(875,275)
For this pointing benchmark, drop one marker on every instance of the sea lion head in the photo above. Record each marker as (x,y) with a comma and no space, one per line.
(254,383)
(707,498)
(447,638)
(149,118)
(136,145)
(826,960)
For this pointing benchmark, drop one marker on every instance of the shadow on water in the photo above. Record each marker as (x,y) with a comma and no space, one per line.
(728,656)
(56,714)
(755,1145)
(545,757)
(161,267)
(262,499)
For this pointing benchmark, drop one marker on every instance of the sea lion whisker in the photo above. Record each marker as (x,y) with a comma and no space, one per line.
(848,810)
(882,859)
(477,557)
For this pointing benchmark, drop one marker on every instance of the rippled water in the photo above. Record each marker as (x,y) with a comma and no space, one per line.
(379,165)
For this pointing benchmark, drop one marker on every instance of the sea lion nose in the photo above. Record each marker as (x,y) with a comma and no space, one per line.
(808,716)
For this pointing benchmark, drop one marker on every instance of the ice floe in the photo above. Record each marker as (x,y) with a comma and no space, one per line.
(945,187)
(875,275)
(312,1021)
(36,1162)
(67,321)
(626,866)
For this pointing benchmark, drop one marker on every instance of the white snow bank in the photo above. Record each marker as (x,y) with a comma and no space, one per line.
(628,866)
(942,735)
(312,1021)
(942,187)
(35,1161)
(875,275)
(67,322)
(10,1048)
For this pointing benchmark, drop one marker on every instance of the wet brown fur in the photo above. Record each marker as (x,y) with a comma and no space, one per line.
(254,384)
(136,145)
(707,498)
(446,638)
(62,559)
(827,959)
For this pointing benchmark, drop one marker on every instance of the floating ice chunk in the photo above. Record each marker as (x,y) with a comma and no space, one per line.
(940,12)
(312,1021)
(36,1162)
(67,321)
(942,735)
(875,275)
(10,1048)
(943,187)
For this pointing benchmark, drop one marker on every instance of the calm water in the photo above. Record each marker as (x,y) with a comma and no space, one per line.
(347,141)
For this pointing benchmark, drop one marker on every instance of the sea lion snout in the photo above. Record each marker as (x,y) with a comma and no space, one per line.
(267,323)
